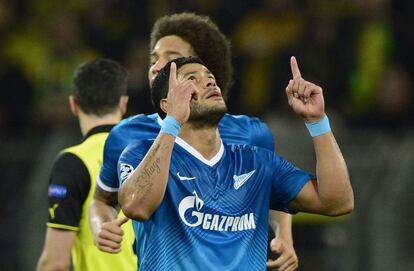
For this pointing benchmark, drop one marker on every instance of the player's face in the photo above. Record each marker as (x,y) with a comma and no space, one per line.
(207,103)
(166,49)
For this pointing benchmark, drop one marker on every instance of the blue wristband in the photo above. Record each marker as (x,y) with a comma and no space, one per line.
(319,127)
(170,126)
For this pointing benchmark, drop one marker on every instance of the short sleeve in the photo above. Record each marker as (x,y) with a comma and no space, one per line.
(242,129)
(287,181)
(69,186)
(262,136)
(108,178)
(130,158)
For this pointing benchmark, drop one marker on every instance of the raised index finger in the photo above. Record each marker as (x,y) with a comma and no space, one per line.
(173,75)
(294,67)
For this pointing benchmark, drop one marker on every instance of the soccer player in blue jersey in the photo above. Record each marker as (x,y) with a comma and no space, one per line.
(201,204)
(174,36)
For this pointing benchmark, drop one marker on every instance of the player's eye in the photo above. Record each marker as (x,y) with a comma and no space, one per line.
(173,56)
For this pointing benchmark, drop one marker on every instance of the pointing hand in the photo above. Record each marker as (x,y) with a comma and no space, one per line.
(305,98)
(179,96)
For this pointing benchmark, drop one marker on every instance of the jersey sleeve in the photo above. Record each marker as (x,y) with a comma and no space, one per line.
(287,181)
(68,189)
(262,135)
(245,130)
(131,157)
(108,177)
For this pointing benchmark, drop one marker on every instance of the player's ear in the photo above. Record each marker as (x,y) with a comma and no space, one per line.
(123,103)
(73,105)
(164,105)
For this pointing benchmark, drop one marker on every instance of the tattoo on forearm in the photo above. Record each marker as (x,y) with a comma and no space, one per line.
(144,182)
(150,169)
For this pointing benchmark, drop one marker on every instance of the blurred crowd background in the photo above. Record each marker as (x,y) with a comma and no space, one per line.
(358,51)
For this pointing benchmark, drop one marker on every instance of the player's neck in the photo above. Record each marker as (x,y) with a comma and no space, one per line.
(206,140)
(87,122)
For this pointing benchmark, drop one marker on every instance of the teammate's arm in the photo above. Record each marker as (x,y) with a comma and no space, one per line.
(279,222)
(332,193)
(105,226)
(282,243)
(142,192)
(56,251)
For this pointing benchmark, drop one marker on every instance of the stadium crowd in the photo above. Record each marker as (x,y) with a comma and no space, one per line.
(358,50)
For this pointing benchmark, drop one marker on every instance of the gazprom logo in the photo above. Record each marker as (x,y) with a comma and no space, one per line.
(212,222)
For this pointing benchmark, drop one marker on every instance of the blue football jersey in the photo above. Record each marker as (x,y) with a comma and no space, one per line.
(233,129)
(214,214)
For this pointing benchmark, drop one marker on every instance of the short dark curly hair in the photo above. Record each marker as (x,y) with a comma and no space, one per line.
(159,88)
(207,41)
(98,85)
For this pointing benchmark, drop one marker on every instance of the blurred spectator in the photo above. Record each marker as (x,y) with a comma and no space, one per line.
(402,25)
(210,7)
(260,38)
(324,50)
(391,108)
(15,101)
(372,53)
(16,92)
(47,56)
(109,24)
(135,61)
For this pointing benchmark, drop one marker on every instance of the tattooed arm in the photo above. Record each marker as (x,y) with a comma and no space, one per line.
(142,192)
(106,228)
